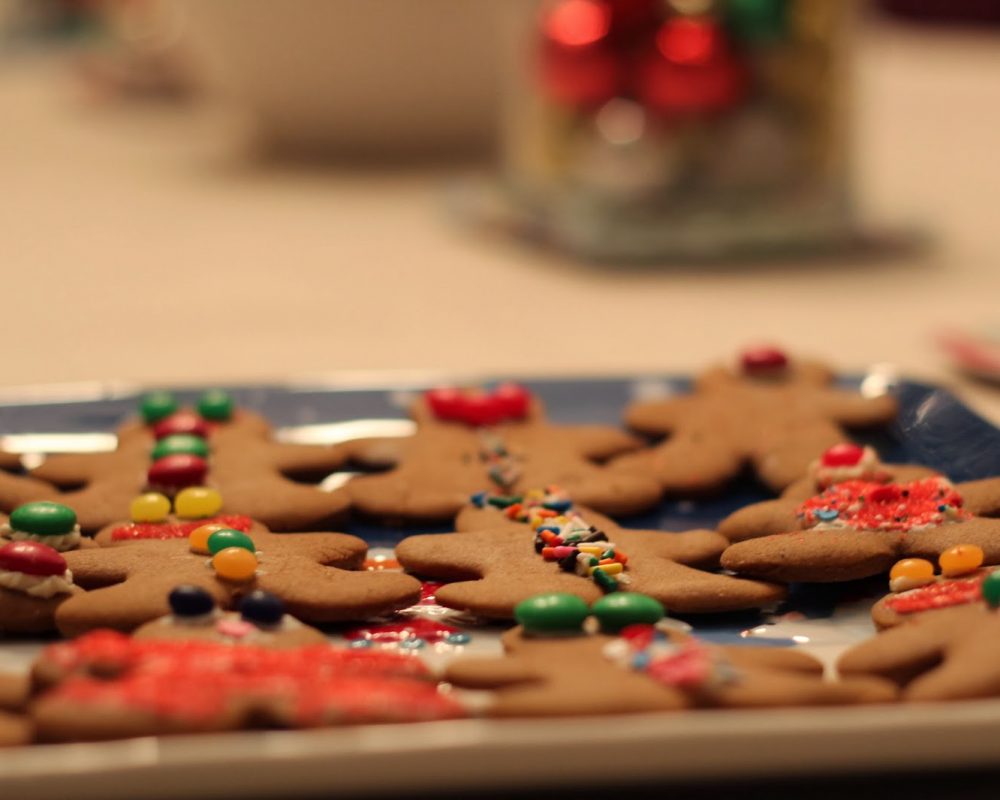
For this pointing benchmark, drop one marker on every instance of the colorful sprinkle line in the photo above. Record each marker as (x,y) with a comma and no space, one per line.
(690,664)
(562,535)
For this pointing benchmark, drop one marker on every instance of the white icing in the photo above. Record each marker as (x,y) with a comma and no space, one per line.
(37,585)
(868,468)
(67,541)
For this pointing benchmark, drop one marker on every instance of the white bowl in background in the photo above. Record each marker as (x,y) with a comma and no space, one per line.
(375,78)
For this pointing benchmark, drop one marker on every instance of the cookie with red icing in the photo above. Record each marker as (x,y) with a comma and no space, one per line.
(859,528)
(508,549)
(34,581)
(469,441)
(106,685)
(230,449)
(317,576)
(643,669)
(770,413)
(260,622)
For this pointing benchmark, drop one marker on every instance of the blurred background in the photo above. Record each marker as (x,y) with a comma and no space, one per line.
(201,191)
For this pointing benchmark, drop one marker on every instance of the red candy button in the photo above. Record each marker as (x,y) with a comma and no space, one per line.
(843,455)
(763,359)
(513,399)
(31,558)
(445,403)
(181,422)
(177,471)
(508,401)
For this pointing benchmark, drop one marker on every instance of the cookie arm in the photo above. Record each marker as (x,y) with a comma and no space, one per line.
(293,459)
(375,452)
(853,410)
(760,519)
(488,673)
(658,416)
(982,497)
(597,442)
(898,654)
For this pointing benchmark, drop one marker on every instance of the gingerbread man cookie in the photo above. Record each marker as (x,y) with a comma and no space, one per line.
(15,727)
(105,685)
(951,654)
(564,549)
(773,414)
(314,574)
(840,463)
(467,442)
(261,621)
(231,450)
(560,670)
(859,528)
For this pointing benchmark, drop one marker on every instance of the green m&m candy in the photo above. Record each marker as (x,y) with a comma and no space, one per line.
(157,405)
(228,537)
(552,613)
(991,589)
(180,443)
(43,519)
(215,404)
(618,610)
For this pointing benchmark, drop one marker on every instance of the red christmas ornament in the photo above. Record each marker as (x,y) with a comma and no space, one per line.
(579,66)
(843,455)
(177,471)
(31,558)
(181,422)
(758,360)
(691,70)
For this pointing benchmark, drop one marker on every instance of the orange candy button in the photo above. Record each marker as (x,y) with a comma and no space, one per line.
(235,564)
(199,537)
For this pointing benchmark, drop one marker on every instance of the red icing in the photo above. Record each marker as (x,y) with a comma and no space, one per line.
(428,630)
(181,422)
(507,402)
(843,455)
(942,594)
(177,530)
(428,593)
(31,558)
(763,359)
(177,471)
(689,668)
(319,682)
(639,636)
(866,505)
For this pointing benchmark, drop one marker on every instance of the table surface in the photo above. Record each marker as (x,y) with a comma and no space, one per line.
(141,243)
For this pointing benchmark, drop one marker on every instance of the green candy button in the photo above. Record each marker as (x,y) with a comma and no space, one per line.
(216,405)
(552,613)
(227,537)
(157,405)
(991,589)
(43,519)
(180,443)
(618,610)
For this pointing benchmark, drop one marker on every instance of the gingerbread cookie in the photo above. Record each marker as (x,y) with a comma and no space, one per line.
(917,590)
(15,728)
(772,414)
(466,442)
(951,654)
(859,528)
(840,463)
(261,621)
(566,672)
(231,450)
(106,685)
(314,574)
(563,549)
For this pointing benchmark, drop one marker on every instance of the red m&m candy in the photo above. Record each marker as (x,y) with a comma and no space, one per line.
(445,403)
(183,422)
(758,360)
(31,558)
(513,400)
(177,471)
(843,455)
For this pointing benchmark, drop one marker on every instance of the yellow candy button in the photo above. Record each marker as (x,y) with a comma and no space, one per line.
(197,501)
(235,564)
(149,507)
(960,560)
(198,540)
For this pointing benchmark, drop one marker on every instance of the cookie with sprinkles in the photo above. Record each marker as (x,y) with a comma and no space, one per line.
(217,447)
(105,685)
(317,576)
(497,560)
(467,441)
(858,528)
(771,413)
(915,588)
(643,669)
